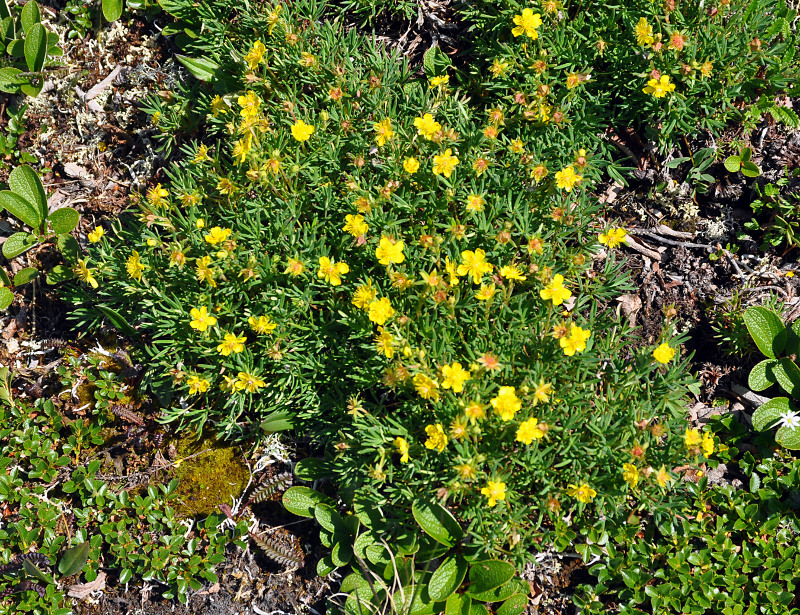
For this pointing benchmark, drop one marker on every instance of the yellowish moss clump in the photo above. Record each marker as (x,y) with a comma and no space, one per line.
(213,477)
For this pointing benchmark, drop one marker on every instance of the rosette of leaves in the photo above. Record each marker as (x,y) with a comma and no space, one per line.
(29,44)
(405,569)
(26,200)
(781,345)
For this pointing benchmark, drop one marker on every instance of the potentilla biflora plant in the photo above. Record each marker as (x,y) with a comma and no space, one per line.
(419,281)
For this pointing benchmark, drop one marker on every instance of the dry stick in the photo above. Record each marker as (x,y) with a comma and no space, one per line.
(672,242)
(635,245)
(767,287)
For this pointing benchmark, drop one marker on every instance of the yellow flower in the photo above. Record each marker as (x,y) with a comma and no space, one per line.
(294,267)
(506,404)
(707,444)
(527,23)
(134,266)
(201,155)
(494,490)
(255,56)
(231,343)
(499,67)
(332,271)
(664,353)
(475,202)
(218,105)
(272,18)
(402,447)
(203,272)
(380,311)
(197,384)
(475,412)
(384,131)
(156,196)
(474,264)
(706,68)
(511,272)
(177,258)
(630,474)
(439,80)
(644,32)
(355,225)
(201,319)
(486,292)
(95,235)
(575,341)
(426,126)
(226,186)
(583,493)
(427,388)
(432,279)
(302,131)
(364,295)
(445,163)
(555,291)
(454,376)
(217,235)
(248,382)
(411,165)
(613,237)
(262,325)
(437,439)
(692,437)
(452,270)
(566,178)
(528,431)
(85,274)
(663,477)
(659,88)
(390,251)
(542,392)
(385,342)
(517,146)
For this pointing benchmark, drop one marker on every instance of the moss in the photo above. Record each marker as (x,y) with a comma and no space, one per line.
(210,474)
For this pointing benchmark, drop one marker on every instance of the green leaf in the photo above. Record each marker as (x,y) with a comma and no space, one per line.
(458,604)
(766,329)
(17,244)
(26,183)
(36,48)
(312,468)
(4,12)
(31,90)
(733,164)
(762,375)
(30,16)
(793,338)
(6,298)
(64,220)
(202,68)
(513,606)
(418,601)
(69,248)
(9,81)
(112,9)
(116,319)
(767,413)
(16,49)
(20,208)
(74,559)
(328,518)
(325,566)
(367,539)
(23,276)
(447,578)
(302,501)
(435,62)
(788,438)
(58,274)
(676,162)
(788,376)
(488,574)
(504,591)
(750,169)
(279,420)
(34,571)
(478,609)
(342,553)
(437,522)
(4,279)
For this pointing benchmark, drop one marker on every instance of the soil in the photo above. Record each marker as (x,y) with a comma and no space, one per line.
(97,143)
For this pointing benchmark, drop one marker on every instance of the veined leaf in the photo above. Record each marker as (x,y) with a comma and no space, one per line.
(36,48)
(26,183)
(202,68)
(767,330)
(437,522)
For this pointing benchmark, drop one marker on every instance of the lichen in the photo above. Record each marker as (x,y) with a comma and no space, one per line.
(210,473)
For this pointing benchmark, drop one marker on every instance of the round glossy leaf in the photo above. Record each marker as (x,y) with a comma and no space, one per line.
(788,376)
(750,169)
(36,48)
(762,376)
(478,608)
(58,274)
(325,566)
(312,468)
(788,438)
(768,413)
(6,298)
(437,522)
(328,518)
(302,501)
(23,276)
(733,163)
(488,574)
(9,80)
(504,591)
(17,244)
(458,604)
(447,578)
(766,329)
(64,220)
(125,576)
(25,182)
(34,571)
(342,552)
(367,539)
(112,9)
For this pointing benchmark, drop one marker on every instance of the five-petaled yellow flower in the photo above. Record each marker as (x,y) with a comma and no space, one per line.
(454,376)
(512,272)
(527,23)
(355,225)
(364,295)
(204,272)
(583,493)
(402,447)
(201,319)
(644,32)
(411,165)
(85,274)
(494,491)
(384,131)
(664,353)
(437,439)
(217,235)
(474,264)
(692,437)
(380,311)
(332,271)
(556,291)
(506,404)
(134,267)
(248,382)
(426,126)
(567,178)
(385,342)
(445,163)
(390,251)
(255,56)
(230,344)
(427,388)
(262,325)
(630,474)
(659,88)
(575,341)
(197,384)
(95,235)
(302,131)
(529,431)
(613,237)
